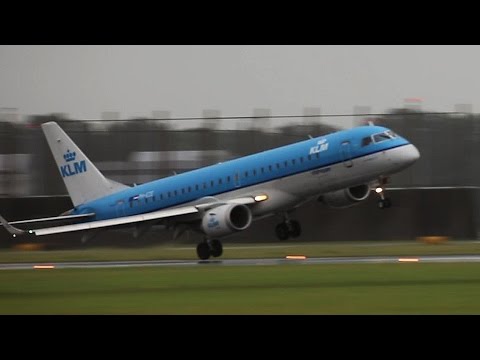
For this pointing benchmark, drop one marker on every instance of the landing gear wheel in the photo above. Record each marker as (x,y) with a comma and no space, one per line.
(295,229)
(384,203)
(216,248)
(282,232)
(203,250)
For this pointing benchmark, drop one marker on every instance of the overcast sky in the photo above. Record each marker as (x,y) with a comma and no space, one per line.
(84,81)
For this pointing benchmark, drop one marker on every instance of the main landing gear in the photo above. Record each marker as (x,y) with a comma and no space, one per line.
(209,248)
(288,228)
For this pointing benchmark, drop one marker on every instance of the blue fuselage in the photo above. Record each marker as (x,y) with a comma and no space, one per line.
(261,169)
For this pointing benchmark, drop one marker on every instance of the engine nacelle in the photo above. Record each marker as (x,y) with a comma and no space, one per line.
(226,219)
(346,197)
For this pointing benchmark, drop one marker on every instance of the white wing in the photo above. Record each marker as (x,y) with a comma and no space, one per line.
(154,215)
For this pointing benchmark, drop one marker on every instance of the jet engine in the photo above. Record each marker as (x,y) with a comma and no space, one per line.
(226,219)
(346,197)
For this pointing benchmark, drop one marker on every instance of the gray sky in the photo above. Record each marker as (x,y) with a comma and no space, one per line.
(84,81)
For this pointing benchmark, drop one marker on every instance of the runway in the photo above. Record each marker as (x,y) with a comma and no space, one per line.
(242,262)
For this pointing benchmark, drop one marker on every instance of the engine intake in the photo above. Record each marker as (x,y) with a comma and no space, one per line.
(346,197)
(226,219)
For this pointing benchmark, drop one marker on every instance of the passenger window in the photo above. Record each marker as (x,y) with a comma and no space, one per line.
(228,178)
(293,161)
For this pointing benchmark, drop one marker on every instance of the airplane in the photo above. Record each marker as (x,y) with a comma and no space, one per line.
(340,170)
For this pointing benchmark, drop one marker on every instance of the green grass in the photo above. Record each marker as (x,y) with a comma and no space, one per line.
(276,250)
(412,288)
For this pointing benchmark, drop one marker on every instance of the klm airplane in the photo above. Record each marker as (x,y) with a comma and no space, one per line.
(340,169)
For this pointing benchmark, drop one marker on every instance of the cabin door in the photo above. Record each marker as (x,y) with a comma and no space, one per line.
(346,152)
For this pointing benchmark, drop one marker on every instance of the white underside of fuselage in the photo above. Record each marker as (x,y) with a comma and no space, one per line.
(291,191)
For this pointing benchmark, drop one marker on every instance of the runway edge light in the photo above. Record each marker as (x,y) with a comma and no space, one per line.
(44,266)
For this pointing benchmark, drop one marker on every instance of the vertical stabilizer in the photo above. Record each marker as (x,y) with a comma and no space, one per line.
(83,180)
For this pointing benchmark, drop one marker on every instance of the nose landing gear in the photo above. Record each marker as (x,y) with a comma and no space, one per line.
(384,202)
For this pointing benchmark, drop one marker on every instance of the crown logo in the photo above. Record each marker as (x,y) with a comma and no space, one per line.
(69,156)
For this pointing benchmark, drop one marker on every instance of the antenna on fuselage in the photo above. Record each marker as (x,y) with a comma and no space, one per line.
(370,123)
(310,136)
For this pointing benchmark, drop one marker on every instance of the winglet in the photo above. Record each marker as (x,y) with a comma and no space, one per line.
(10,228)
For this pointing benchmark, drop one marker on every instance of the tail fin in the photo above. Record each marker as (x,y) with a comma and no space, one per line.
(84,182)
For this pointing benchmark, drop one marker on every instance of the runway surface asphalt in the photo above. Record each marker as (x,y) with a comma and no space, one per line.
(241,262)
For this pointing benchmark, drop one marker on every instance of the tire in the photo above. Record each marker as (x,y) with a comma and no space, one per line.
(216,248)
(281,230)
(295,229)
(203,250)
(388,203)
(381,204)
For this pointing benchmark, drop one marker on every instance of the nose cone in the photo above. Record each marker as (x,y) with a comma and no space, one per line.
(404,156)
(411,154)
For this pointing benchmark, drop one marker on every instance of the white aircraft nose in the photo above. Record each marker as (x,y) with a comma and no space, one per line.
(411,154)
(404,156)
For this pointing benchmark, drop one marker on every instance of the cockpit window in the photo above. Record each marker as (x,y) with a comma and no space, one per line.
(366,141)
(380,137)
(391,134)
(386,135)
(376,138)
